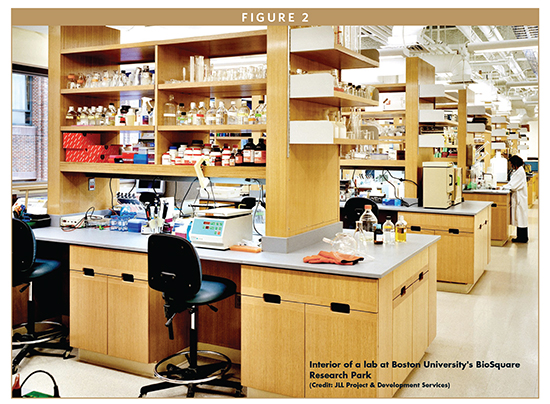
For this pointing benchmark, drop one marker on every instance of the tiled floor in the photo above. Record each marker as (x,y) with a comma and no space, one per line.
(497,321)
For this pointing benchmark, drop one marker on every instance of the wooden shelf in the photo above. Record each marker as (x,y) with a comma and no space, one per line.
(214,128)
(391,88)
(371,163)
(104,128)
(126,170)
(124,92)
(224,45)
(221,89)
(340,100)
(386,114)
(339,57)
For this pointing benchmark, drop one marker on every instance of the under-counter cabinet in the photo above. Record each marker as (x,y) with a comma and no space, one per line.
(465,246)
(294,323)
(500,213)
(112,309)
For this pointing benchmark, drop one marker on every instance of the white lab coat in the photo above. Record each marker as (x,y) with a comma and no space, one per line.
(518,186)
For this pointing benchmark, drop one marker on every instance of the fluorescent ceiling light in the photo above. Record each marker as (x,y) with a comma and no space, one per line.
(504,46)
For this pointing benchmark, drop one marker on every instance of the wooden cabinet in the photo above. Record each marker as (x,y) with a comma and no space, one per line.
(295,323)
(112,309)
(464,249)
(500,214)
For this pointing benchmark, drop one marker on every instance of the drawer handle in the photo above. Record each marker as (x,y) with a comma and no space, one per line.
(127,277)
(340,307)
(269,298)
(494,205)
(454,231)
(403,291)
(421,276)
(416,228)
(486,221)
(88,271)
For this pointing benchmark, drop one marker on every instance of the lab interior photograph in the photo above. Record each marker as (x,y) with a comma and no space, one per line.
(375,235)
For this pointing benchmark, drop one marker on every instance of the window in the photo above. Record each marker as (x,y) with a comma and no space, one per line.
(22,97)
(29,124)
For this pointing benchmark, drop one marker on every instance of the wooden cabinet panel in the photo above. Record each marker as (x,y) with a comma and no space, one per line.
(455,257)
(325,332)
(359,293)
(273,346)
(128,320)
(402,335)
(109,262)
(421,317)
(88,311)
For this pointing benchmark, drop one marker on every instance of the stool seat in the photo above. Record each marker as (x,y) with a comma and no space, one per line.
(213,290)
(41,268)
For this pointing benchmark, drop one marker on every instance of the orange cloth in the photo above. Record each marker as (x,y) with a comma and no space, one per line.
(325,257)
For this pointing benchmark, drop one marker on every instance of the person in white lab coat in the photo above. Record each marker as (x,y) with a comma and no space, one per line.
(518,186)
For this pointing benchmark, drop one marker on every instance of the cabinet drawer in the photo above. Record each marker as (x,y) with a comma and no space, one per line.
(409,272)
(109,262)
(433,221)
(308,287)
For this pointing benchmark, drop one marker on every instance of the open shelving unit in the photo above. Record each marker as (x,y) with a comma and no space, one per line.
(291,169)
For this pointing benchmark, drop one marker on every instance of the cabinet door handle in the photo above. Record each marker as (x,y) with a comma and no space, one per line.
(454,231)
(269,298)
(494,205)
(486,222)
(127,277)
(421,276)
(88,271)
(340,307)
(416,228)
(403,291)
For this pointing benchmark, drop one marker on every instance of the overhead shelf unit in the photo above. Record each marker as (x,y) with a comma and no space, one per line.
(315,95)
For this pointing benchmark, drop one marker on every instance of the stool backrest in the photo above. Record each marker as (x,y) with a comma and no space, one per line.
(174,266)
(23,249)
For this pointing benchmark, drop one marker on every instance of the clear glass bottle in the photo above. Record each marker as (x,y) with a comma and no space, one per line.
(369,222)
(210,118)
(389,231)
(71,116)
(78,116)
(263,118)
(91,116)
(146,77)
(401,230)
(99,116)
(360,238)
(258,112)
(243,113)
(232,114)
(110,115)
(181,116)
(200,115)
(84,116)
(169,112)
(191,114)
(221,114)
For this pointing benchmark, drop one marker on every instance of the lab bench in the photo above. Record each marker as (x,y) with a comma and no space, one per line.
(464,250)
(287,314)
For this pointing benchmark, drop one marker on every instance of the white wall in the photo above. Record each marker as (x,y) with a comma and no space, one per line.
(29,48)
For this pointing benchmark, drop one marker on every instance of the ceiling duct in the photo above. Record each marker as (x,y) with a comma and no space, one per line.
(409,36)
(454,65)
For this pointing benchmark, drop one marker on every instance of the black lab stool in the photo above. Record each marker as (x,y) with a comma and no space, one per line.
(175,270)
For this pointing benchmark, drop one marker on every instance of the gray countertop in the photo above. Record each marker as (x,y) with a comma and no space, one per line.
(466,208)
(385,258)
(487,191)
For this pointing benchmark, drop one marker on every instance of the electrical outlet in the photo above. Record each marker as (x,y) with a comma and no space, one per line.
(91,184)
